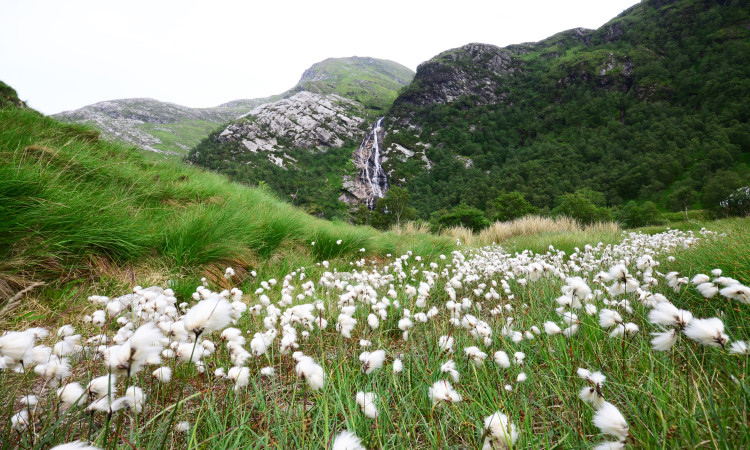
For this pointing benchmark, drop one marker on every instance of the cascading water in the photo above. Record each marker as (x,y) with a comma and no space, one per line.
(372,175)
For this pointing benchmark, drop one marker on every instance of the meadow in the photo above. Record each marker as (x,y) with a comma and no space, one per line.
(637,344)
(155,305)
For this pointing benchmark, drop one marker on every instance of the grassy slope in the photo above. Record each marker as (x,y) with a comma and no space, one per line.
(179,137)
(77,209)
(373,82)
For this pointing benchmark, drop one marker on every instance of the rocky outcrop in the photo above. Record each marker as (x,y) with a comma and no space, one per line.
(472,70)
(372,182)
(304,120)
(139,121)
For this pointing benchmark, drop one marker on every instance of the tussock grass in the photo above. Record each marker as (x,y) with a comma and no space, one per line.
(67,197)
(552,229)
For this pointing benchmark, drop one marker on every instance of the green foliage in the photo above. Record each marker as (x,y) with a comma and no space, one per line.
(393,209)
(652,101)
(510,205)
(584,205)
(737,203)
(465,216)
(313,182)
(634,215)
(682,198)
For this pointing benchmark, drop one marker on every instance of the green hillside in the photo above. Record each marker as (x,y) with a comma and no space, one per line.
(653,106)
(313,180)
(375,83)
(78,209)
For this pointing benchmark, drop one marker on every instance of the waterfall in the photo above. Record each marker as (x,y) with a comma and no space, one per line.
(373,175)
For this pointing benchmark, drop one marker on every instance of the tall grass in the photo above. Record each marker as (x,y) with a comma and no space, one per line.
(533,227)
(692,396)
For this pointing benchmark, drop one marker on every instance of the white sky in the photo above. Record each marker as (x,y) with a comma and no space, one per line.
(65,54)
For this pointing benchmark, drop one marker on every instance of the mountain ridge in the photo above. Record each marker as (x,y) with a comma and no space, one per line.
(638,109)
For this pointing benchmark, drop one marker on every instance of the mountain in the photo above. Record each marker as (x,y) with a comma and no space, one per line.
(301,144)
(154,125)
(652,106)
(372,82)
(173,129)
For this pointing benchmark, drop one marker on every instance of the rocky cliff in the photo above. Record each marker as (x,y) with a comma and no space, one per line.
(154,125)
(371,181)
(303,121)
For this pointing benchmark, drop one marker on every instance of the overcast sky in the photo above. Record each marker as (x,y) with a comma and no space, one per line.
(65,54)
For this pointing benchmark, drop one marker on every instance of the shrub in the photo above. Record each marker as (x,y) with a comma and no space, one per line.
(464,215)
(635,215)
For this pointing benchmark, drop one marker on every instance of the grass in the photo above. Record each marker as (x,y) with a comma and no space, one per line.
(180,137)
(692,396)
(90,217)
(536,233)
(75,206)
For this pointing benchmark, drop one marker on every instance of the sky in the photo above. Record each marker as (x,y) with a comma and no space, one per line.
(62,55)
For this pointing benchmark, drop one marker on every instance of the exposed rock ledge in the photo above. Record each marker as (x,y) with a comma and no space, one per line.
(305,120)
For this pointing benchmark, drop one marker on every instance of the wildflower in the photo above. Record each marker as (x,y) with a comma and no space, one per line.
(445,343)
(449,367)
(268,372)
(366,402)
(592,394)
(102,386)
(208,315)
(398,366)
(610,421)
(182,427)
(737,292)
(133,399)
(477,356)
(707,290)
(443,391)
(501,359)
(521,377)
(551,328)
(20,420)
(76,445)
(500,433)
(664,341)
(372,360)
(347,440)
(707,332)
(16,347)
(372,321)
(608,318)
(163,374)
(313,373)
(667,314)
(739,348)
(240,376)
(72,394)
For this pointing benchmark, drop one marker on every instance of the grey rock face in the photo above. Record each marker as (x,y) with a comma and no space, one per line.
(474,69)
(372,182)
(304,120)
(130,119)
